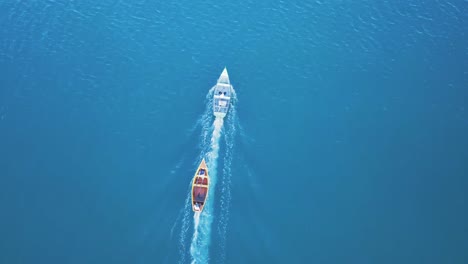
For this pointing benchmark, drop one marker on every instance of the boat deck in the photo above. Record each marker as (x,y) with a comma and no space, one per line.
(199,194)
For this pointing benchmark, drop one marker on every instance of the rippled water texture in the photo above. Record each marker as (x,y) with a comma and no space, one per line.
(348,142)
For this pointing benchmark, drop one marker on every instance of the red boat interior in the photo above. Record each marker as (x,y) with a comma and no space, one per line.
(200,180)
(199,194)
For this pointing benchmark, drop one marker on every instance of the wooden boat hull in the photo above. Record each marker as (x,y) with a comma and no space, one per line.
(200,187)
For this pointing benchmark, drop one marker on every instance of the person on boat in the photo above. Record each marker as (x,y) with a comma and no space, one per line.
(202,172)
(200,197)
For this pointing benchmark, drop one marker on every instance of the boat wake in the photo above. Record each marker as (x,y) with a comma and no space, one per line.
(225,200)
(206,126)
(196,221)
(184,228)
(202,222)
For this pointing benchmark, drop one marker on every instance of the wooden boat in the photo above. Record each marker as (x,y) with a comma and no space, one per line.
(200,187)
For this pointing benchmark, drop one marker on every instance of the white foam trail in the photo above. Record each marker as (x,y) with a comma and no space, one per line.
(184,229)
(202,229)
(205,123)
(201,239)
(225,199)
(196,221)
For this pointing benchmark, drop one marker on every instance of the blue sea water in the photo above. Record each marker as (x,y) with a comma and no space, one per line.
(348,142)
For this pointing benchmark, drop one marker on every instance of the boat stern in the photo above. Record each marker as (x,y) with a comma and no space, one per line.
(197,207)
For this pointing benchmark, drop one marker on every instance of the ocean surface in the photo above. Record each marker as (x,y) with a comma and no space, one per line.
(347,141)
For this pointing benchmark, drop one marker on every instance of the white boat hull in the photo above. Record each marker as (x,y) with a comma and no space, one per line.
(222,95)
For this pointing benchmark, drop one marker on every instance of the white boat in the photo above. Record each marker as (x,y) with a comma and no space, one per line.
(222,95)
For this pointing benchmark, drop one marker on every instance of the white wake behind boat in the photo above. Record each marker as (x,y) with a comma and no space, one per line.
(222,95)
